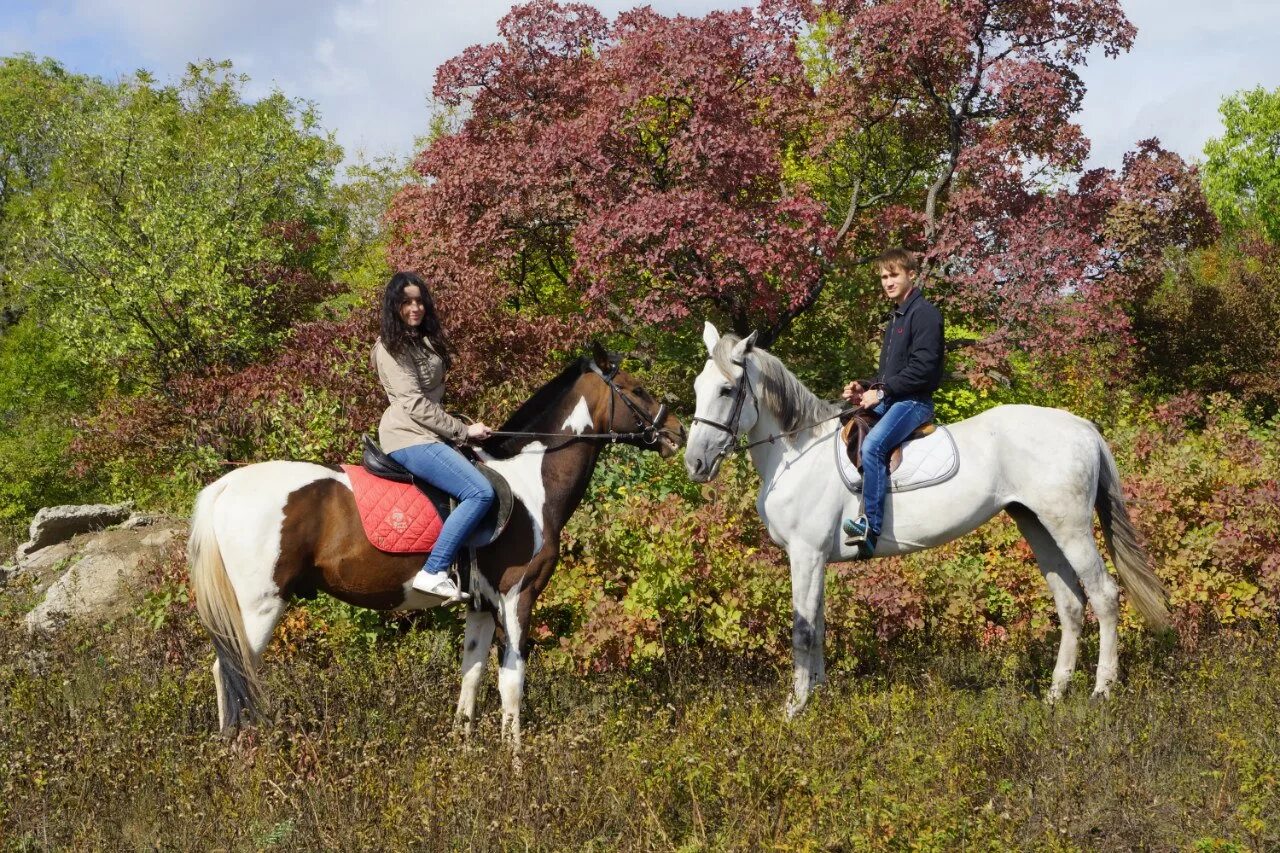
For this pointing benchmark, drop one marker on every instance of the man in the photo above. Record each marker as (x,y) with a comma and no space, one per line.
(910,371)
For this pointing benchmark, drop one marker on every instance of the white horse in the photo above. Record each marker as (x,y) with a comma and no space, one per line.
(1047,468)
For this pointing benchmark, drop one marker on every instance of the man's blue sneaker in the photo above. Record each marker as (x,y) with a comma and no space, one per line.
(858,534)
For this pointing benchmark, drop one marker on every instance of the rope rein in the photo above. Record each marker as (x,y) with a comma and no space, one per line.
(772,438)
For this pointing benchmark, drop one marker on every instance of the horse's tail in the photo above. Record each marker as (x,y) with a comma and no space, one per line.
(1132,563)
(219,610)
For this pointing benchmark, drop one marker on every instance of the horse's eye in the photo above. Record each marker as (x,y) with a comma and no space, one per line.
(726,391)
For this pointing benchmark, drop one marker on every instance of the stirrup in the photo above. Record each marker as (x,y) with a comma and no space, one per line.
(859,535)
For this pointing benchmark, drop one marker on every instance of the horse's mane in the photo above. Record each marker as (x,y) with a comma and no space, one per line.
(780,391)
(526,417)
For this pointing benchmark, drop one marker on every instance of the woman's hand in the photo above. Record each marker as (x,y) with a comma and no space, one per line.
(870,399)
(478,432)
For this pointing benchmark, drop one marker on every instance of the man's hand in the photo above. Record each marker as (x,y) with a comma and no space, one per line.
(477,432)
(852,391)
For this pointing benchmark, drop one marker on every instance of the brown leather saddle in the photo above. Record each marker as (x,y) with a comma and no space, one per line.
(856,426)
(381,465)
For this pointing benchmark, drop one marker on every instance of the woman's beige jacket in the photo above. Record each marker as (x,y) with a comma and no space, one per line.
(414,383)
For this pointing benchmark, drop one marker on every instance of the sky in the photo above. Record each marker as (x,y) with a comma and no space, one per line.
(369,64)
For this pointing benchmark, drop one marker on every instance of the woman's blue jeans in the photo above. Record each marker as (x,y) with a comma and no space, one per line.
(448,470)
(897,422)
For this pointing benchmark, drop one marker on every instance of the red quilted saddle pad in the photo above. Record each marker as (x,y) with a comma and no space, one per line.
(397,517)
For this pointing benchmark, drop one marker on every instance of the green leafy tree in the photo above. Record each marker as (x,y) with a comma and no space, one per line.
(180,227)
(36,97)
(1242,169)
(42,391)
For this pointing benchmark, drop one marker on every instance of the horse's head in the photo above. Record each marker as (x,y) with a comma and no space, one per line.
(622,405)
(726,405)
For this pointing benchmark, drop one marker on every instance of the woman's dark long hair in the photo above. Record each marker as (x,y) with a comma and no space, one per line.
(396,334)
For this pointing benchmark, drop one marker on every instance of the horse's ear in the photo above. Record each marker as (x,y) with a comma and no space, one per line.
(710,336)
(601,357)
(744,346)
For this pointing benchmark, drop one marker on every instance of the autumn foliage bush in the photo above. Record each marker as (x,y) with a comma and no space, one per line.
(310,400)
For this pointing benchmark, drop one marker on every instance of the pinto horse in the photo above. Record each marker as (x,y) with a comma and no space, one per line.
(275,530)
(1047,468)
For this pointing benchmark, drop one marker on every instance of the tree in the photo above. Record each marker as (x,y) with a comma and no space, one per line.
(1242,167)
(180,227)
(1213,322)
(630,171)
(36,98)
(750,161)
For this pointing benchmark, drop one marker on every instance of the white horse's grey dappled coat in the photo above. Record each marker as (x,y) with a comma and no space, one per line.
(1047,468)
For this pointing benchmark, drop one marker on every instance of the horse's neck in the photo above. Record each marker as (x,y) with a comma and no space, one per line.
(768,456)
(567,465)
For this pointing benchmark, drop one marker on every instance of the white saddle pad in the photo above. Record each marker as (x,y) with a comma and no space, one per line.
(925,461)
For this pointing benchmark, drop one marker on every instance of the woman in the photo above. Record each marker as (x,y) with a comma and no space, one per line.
(411,358)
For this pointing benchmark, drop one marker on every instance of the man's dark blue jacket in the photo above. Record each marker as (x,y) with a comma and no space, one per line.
(911,356)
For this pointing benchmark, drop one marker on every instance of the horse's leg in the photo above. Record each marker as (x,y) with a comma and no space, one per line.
(1104,597)
(820,636)
(1073,532)
(476,642)
(260,622)
(517,605)
(807,566)
(1067,595)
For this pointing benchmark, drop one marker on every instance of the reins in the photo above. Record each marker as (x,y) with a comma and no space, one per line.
(772,438)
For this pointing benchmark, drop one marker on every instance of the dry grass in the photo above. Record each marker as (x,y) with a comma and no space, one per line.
(106,742)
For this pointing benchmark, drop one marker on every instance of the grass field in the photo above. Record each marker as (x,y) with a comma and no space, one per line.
(108,743)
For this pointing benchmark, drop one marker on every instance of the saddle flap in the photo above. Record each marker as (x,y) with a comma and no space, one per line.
(379,464)
(495,521)
(930,459)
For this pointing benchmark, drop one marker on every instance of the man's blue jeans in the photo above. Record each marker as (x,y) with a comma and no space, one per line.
(897,422)
(448,470)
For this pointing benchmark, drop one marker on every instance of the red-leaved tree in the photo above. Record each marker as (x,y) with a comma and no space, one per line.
(653,168)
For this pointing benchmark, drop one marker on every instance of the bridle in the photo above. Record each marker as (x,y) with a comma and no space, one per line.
(650,431)
(731,444)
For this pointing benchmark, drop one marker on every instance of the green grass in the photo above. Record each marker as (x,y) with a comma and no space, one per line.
(107,742)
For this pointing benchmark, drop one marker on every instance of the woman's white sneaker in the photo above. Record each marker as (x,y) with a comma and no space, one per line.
(440,585)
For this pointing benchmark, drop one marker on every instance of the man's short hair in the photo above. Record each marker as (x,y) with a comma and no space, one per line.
(899,259)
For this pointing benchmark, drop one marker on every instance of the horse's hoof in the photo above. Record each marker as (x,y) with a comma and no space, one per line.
(793,709)
(1097,697)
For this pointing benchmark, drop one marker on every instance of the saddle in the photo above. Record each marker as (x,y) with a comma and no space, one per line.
(856,426)
(379,464)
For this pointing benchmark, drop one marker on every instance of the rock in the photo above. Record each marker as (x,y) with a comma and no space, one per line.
(56,524)
(46,561)
(139,519)
(107,575)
